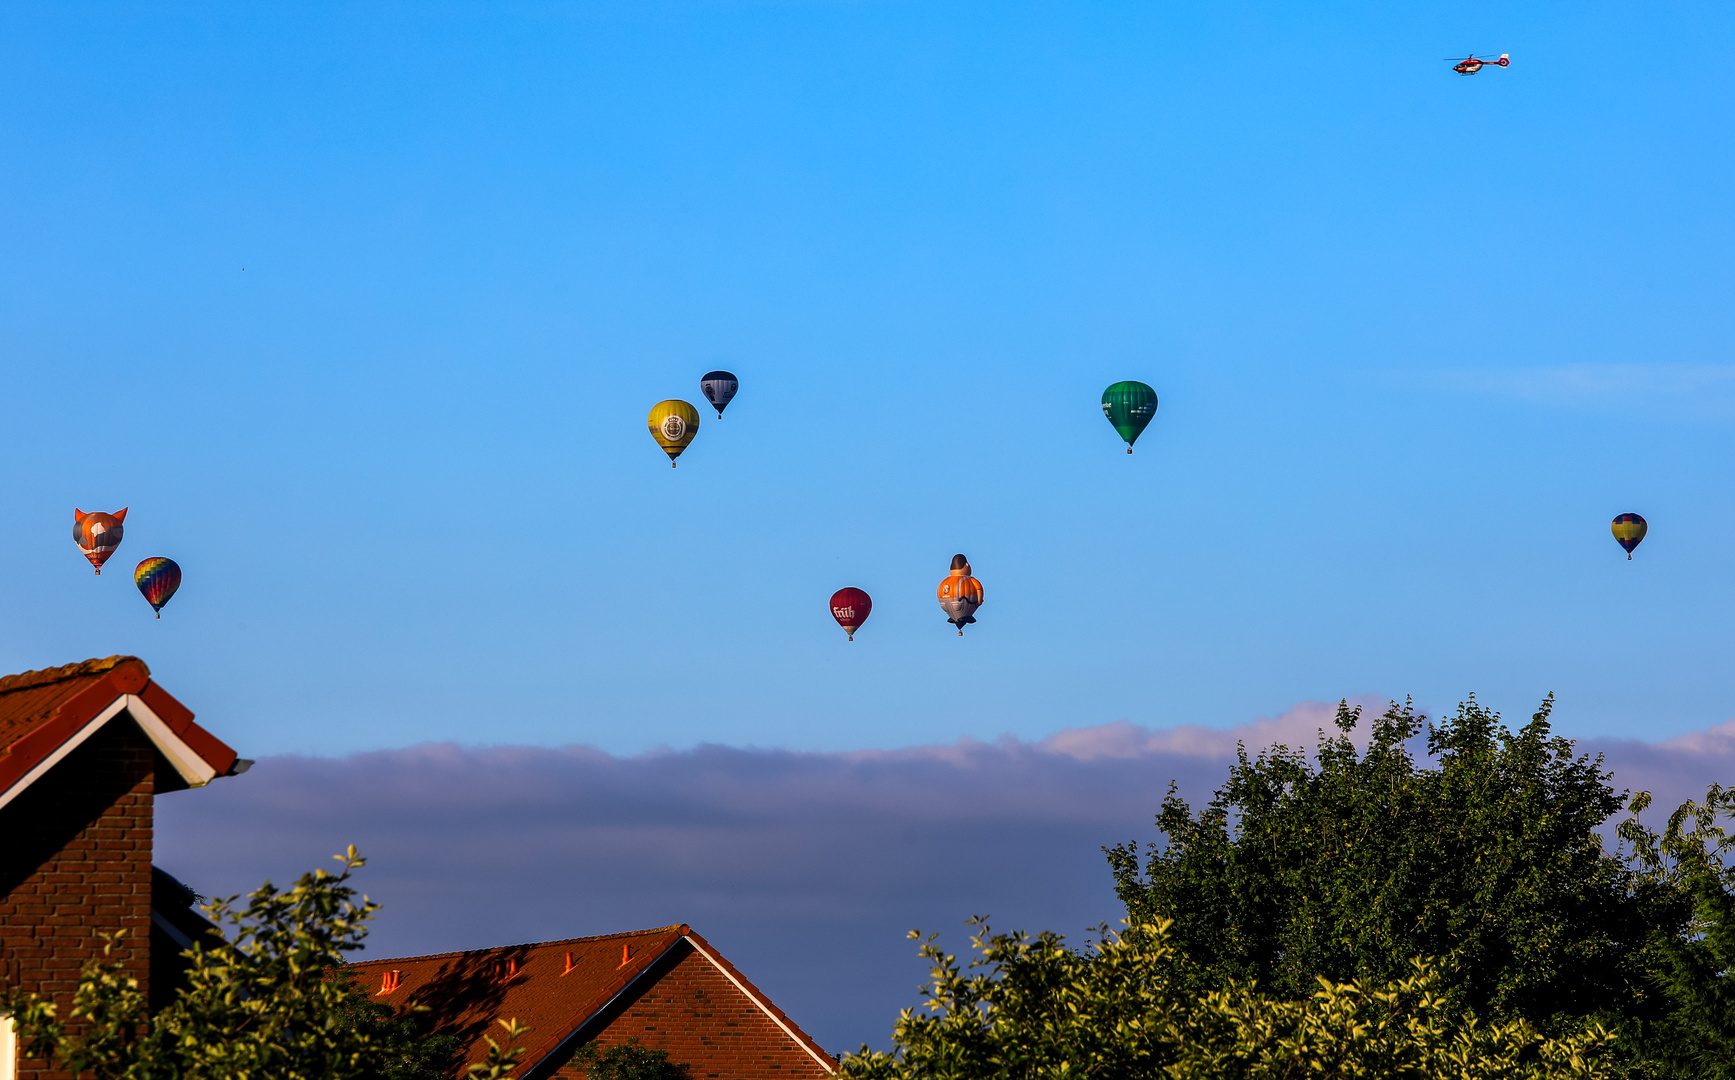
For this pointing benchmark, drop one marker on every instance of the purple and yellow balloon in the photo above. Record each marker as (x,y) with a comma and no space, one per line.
(1629,529)
(157,578)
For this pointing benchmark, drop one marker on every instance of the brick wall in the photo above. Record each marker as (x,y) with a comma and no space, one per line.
(695,1013)
(75,861)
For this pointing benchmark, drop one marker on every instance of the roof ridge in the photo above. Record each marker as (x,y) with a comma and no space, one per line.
(673,927)
(26,679)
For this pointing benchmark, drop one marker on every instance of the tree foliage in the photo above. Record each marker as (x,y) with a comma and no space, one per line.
(269,1002)
(1687,865)
(1348,867)
(1486,856)
(1034,1009)
(628,1061)
(1276,934)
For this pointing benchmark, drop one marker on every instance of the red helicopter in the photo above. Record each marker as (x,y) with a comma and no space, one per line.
(1473,64)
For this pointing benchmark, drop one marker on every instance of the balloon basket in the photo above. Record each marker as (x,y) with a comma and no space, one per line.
(1129,449)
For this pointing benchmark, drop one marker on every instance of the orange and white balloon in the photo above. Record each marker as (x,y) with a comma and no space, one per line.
(97,535)
(960,594)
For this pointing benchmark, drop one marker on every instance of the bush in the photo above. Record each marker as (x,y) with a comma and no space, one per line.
(1033,1009)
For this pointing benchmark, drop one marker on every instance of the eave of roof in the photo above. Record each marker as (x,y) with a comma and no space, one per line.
(45,714)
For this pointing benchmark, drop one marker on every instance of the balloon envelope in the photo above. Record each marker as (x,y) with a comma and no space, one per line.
(960,594)
(157,578)
(97,535)
(673,424)
(1629,529)
(850,607)
(1129,406)
(719,389)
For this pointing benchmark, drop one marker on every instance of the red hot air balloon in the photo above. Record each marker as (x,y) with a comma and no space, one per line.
(97,535)
(850,607)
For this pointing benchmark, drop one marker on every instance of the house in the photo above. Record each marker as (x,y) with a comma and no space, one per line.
(668,988)
(84,752)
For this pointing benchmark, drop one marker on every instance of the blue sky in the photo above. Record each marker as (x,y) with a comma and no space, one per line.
(360,308)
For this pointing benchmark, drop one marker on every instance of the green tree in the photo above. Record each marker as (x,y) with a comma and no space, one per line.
(409,1049)
(628,1061)
(1347,867)
(1033,1009)
(270,1002)
(1688,864)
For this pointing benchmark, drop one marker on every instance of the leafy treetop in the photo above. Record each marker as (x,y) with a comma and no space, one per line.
(1348,867)
(1034,1009)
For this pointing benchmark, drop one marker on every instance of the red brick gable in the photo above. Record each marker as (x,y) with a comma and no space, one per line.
(75,863)
(84,750)
(694,1010)
(667,987)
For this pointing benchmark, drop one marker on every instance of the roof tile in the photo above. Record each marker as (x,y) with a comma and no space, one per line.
(551,987)
(30,697)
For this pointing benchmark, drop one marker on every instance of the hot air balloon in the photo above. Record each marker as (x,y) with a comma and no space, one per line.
(673,425)
(1629,529)
(97,535)
(157,578)
(960,594)
(1129,406)
(850,607)
(719,389)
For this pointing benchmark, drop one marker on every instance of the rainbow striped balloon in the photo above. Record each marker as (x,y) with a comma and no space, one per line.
(157,578)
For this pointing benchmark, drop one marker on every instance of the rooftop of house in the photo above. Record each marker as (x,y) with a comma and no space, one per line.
(30,697)
(45,714)
(554,988)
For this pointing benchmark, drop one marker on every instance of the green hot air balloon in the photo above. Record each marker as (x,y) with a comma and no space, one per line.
(1129,406)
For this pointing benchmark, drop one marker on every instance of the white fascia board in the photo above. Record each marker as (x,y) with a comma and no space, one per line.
(824,1062)
(195,770)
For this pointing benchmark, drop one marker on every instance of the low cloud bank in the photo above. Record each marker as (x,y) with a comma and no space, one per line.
(805,869)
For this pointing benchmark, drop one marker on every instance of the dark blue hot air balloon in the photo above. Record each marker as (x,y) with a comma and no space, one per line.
(719,389)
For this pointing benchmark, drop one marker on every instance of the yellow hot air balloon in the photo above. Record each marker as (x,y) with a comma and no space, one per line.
(673,425)
(1629,529)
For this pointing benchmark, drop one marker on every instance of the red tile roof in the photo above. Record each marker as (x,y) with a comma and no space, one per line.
(553,988)
(41,710)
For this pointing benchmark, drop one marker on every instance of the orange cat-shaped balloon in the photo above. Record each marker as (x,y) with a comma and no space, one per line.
(97,535)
